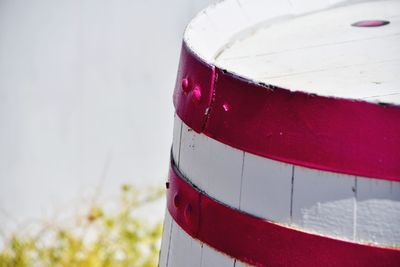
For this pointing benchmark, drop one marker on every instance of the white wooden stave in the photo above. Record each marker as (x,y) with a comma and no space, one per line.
(378,211)
(335,205)
(179,249)
(166,240)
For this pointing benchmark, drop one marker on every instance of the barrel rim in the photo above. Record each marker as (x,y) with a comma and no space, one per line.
(203,20)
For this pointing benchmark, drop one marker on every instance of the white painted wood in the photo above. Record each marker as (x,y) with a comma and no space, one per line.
(378,212)
(184,250)
(230,24)
(328,28)
(323,202)
(203,29)
(212,166)
(306,6)
(266,188)
(241,264)
(322,53)
(332,73)
(176,142)
(165,242)
(255,10)
(180,250)
(339,81)
(212,258)
(219,24)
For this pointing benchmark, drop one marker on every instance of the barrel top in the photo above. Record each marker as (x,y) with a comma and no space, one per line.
(305,46)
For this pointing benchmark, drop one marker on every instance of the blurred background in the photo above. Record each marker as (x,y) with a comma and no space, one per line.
(85,101)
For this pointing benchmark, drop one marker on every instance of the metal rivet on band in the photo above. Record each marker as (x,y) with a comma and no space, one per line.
(196,96)
(185,85)
(177,200)
(225,106)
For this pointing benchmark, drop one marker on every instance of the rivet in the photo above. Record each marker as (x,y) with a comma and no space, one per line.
(177,200)
(196,96)
(188,213)
(185,85)
(370,23)
(225,106)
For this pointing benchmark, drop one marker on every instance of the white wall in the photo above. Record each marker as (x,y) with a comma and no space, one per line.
(85,93)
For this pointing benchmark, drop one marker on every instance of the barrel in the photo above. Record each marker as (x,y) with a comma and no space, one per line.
(286,143)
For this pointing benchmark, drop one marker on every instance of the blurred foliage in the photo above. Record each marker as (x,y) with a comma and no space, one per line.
(121,238)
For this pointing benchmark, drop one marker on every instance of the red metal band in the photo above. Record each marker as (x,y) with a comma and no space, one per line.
(260,242)
(193,92)
(326,133)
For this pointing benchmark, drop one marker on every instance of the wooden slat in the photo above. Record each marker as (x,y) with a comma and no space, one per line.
(378,212)
(176,139)
(266,188)
(184,250)
(254,10)
(212,166)
(165,242)
(241,264)
(323,202)
(212,258)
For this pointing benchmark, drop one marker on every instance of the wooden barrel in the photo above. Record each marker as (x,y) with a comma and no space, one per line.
(286,148)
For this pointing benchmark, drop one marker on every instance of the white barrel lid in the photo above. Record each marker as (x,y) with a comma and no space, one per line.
(308,46)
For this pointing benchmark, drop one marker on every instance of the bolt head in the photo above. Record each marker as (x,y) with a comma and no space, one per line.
(177,200)
(185,85)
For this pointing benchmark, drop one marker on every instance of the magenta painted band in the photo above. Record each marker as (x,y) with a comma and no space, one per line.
(325,133)
(259,242)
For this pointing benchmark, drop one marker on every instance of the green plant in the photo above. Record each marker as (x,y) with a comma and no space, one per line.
(99,238)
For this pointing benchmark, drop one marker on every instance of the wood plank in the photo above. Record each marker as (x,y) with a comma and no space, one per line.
(165,242)
(255,13)
(266,188)
(241,264)
(212,258)
(184,251)
(328,27)
(176,142)
(212,166)
(323,202)
(378,211)
(227,23)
